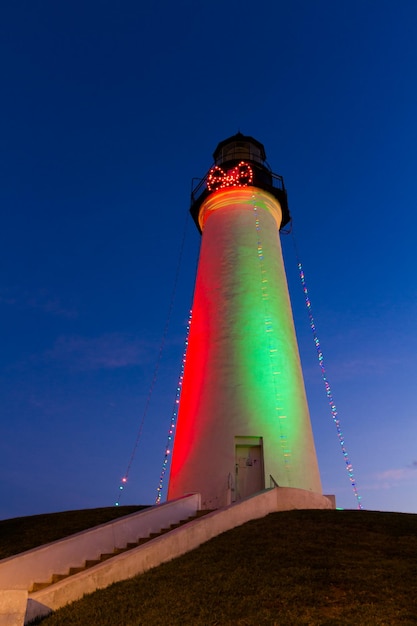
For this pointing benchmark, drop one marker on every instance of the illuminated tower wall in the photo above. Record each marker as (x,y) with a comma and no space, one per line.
(243,414)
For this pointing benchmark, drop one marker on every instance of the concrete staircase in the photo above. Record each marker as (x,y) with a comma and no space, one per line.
(45,578)
(105,556)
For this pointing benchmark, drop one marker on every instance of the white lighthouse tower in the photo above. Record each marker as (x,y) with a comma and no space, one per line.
(243,418)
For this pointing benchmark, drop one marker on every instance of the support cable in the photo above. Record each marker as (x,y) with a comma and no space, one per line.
(174,416)
(336,420)
(175,410)
(157,364)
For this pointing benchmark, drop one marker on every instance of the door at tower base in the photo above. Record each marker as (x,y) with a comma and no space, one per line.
(249,467)
(242,382)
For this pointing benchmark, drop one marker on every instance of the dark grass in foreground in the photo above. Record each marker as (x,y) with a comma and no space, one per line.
(24,533)
(290,568)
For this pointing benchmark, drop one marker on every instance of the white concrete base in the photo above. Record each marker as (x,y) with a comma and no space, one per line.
(332,499)
(12,607)
(167,547)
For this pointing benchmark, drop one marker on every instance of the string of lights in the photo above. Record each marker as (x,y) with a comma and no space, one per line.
(286,451)
(349,467)
(124,479)
(170,439)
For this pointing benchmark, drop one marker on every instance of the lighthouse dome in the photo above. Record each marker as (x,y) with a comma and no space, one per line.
(239,147)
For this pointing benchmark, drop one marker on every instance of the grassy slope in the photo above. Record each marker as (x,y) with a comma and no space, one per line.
(290,568)
(24,533)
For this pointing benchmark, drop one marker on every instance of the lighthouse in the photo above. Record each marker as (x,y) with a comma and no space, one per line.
(243,421)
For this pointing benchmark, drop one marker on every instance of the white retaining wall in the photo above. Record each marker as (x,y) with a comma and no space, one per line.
(38,565)
(13,604)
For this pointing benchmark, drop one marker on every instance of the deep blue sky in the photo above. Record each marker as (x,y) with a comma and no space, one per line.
(107,112)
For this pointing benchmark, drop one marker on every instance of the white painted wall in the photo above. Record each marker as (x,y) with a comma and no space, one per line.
(13,607)
(242,375)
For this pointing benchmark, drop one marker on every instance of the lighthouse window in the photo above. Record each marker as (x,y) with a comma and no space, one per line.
(238,150)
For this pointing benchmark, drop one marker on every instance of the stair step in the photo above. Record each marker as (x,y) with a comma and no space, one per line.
(57,577)
(189,519)
(75,570)
(197,515)
(108,555)
(39,586)
(91,563)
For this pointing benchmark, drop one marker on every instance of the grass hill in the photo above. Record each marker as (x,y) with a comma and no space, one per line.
(24,533)
(290,568)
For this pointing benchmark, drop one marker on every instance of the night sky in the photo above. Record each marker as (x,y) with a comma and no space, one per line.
(107,112)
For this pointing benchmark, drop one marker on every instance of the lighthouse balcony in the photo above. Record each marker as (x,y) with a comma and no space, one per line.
(234,174)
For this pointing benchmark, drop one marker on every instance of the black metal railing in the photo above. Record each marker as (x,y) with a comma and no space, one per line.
(272,482)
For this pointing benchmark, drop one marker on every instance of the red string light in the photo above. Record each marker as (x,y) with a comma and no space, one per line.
(239,176)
